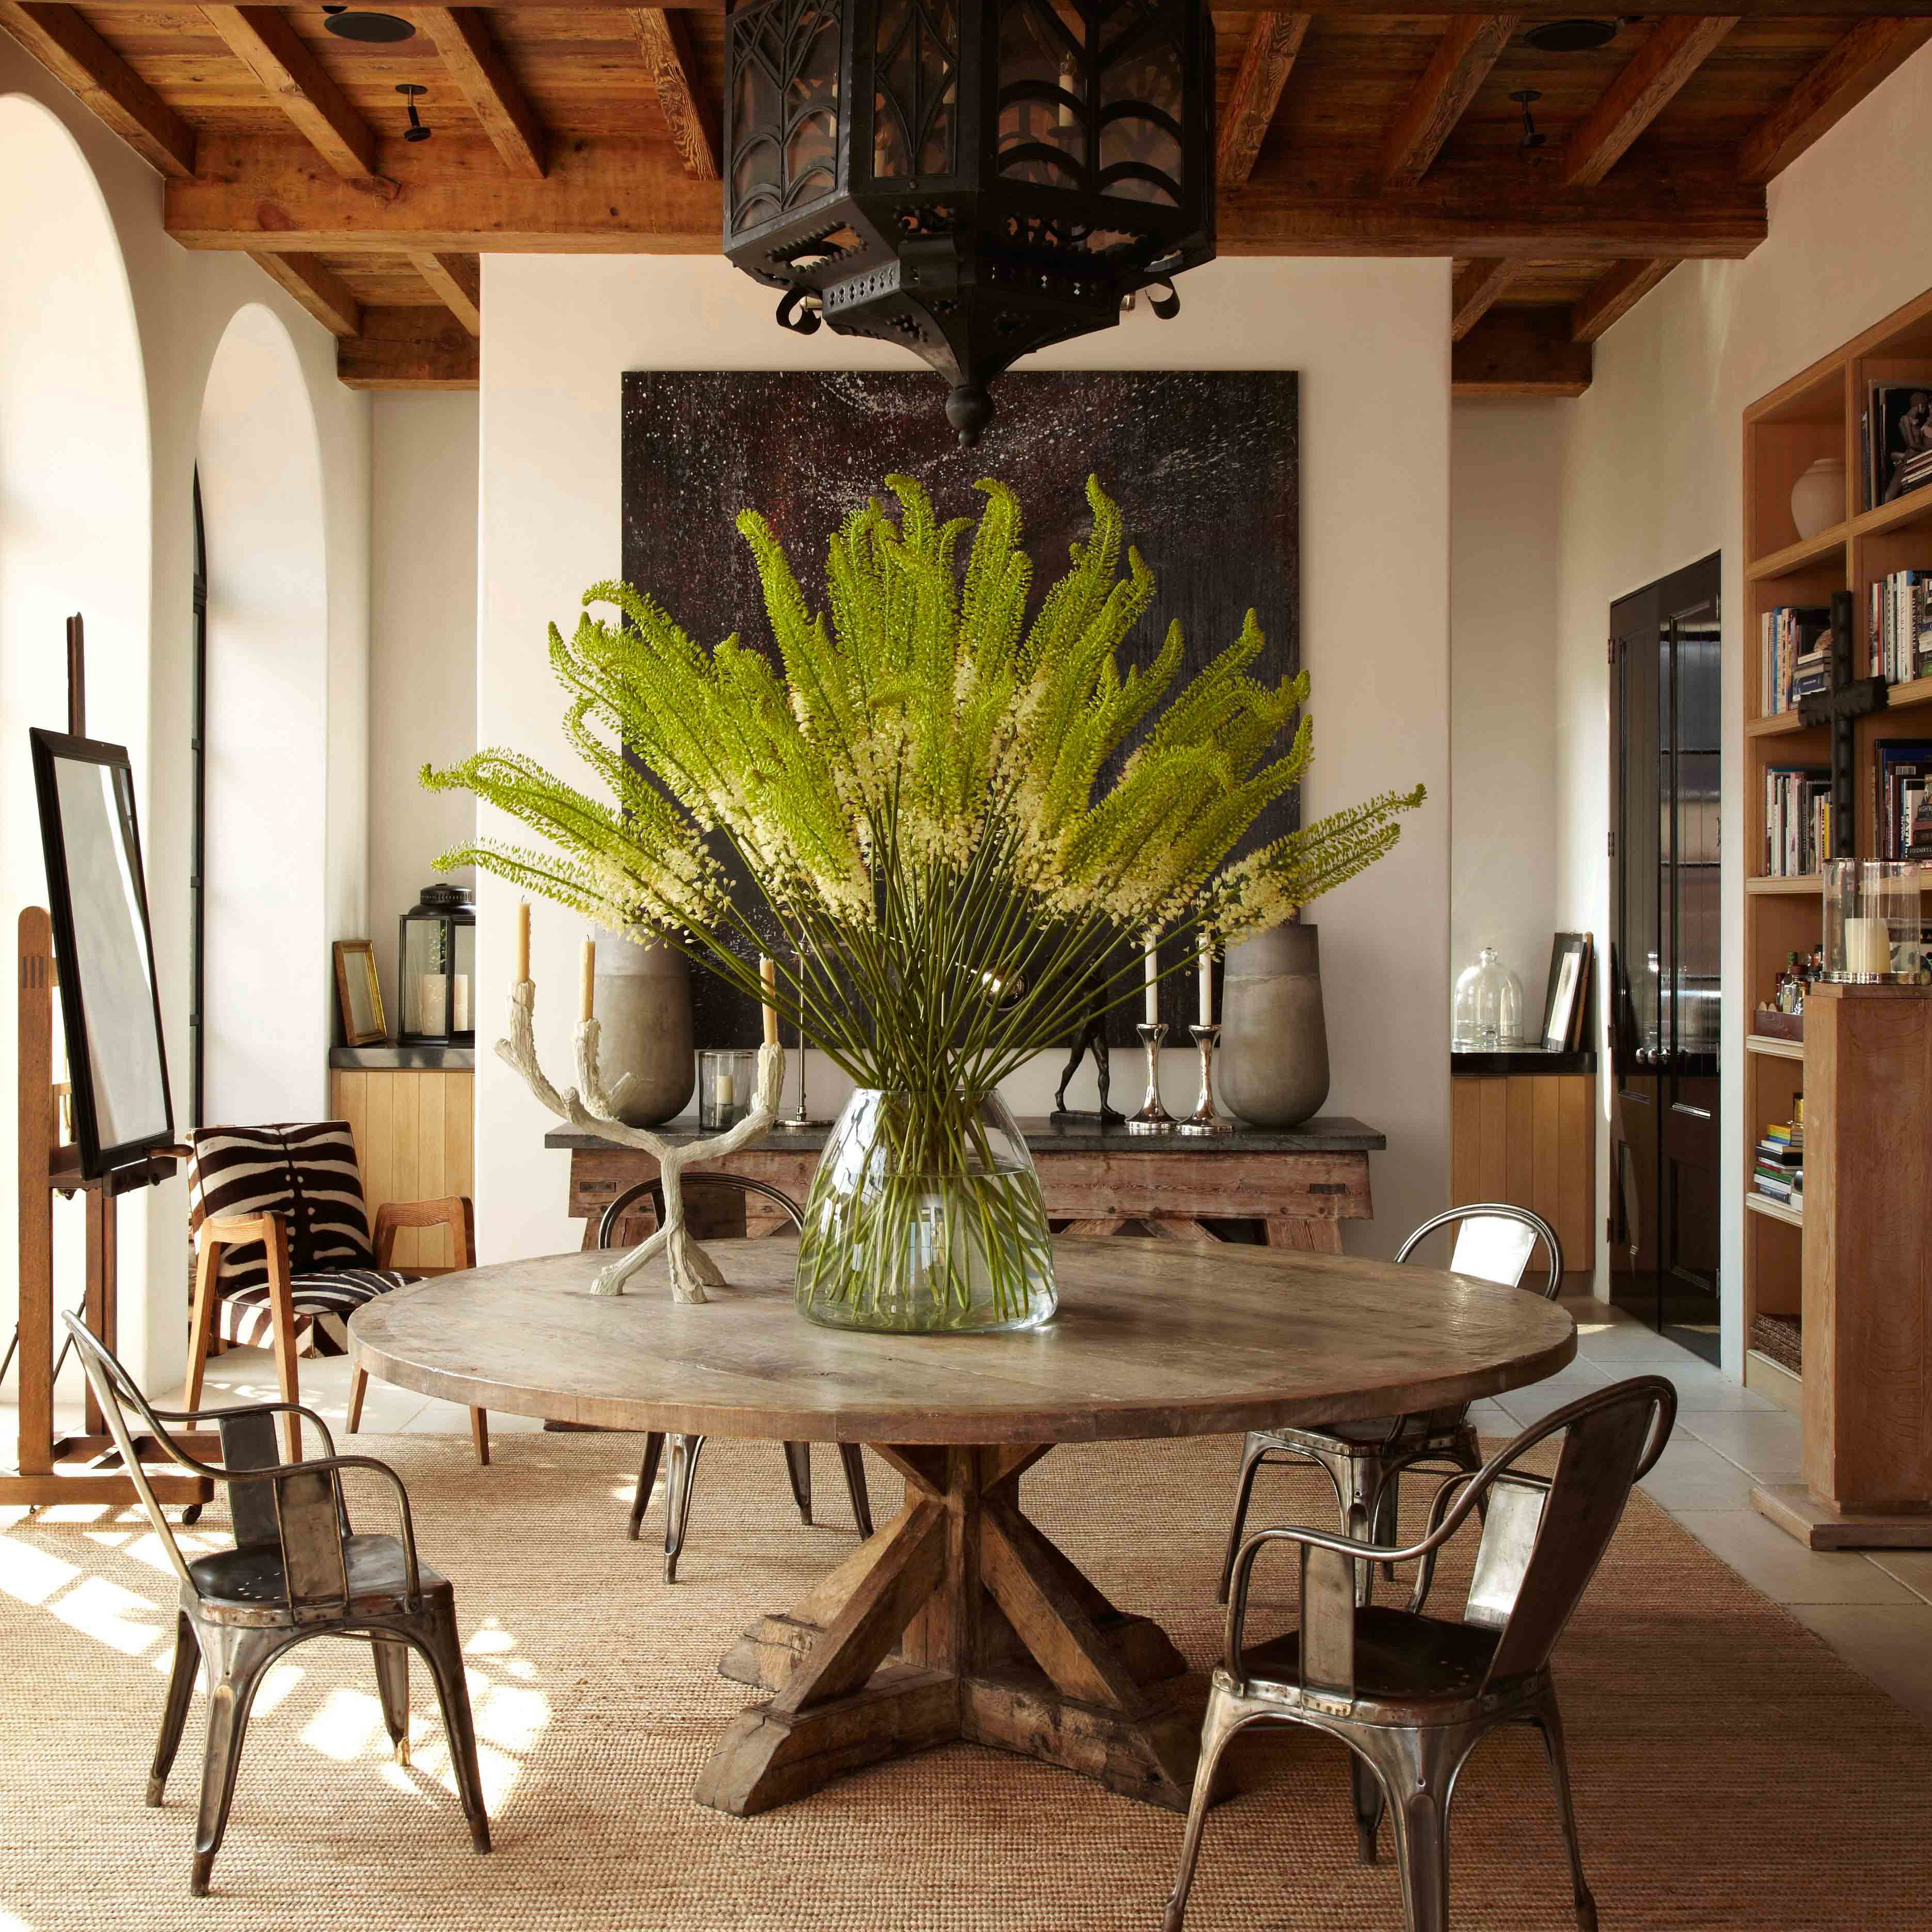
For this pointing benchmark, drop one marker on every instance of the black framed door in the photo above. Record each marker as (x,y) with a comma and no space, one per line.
(1665,772)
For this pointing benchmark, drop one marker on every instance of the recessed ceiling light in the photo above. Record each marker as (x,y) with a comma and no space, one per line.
(1571,36)
(353,24)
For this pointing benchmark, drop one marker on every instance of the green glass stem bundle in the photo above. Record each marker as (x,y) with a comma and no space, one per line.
(962,824)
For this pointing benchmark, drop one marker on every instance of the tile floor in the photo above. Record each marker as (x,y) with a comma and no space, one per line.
(1874,1609)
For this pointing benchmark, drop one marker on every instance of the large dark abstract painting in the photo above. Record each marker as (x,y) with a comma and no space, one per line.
(1204,466)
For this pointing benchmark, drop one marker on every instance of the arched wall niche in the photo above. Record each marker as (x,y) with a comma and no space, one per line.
(266,979)
(76,534)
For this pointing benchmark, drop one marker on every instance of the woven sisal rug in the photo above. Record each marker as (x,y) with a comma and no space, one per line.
(1729,1770)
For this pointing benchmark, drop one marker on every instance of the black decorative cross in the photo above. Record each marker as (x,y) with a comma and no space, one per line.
(1849,700)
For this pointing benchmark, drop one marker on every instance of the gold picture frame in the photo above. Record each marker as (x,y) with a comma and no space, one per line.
(358,994)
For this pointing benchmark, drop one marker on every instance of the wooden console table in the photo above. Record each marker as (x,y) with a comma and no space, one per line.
(1301,1182)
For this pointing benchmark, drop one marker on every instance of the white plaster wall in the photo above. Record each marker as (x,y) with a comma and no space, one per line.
(1504,475)
(1652,464)
(1370,340)
(182,304)
(422,645)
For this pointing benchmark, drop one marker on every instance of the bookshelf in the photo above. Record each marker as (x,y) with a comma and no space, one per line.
(1818,412)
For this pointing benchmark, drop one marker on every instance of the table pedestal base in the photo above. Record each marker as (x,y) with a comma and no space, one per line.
(958,1620)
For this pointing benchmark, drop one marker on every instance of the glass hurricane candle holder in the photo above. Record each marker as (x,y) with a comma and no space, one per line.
(727,1080)
(1871,931)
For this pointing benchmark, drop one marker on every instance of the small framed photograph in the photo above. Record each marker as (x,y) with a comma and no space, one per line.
(1568,997)
(359,993)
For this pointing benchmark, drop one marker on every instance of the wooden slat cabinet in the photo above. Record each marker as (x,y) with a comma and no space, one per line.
(414,1137)
(1530,1139)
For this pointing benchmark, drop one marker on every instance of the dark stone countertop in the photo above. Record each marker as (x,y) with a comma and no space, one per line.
(1465,1065)
(1326,1133)
(388,1056)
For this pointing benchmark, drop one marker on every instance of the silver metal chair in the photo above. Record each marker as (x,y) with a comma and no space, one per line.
(1412,1695)
(1365,1460)
(681,1469)
(297,1571)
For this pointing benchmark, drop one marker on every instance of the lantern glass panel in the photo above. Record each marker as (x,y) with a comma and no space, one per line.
(463,937)
(915,101)
(1141,154)
(1043,106)
(424,964)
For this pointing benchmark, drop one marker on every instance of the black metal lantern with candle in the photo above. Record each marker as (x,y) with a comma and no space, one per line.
(974,179)
(435,969)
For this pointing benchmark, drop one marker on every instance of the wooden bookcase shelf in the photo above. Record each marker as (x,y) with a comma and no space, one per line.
(1819,412)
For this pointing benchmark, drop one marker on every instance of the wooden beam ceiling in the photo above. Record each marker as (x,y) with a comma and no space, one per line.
(689,115)
(1870,52)
(1613,294)
(482,75)
(1462,61)
(408,349)
(1477,289)
(323,292)
(457,283)
(262,40)
(1672,53)
(83,63)
(1273,41)
(1520,352)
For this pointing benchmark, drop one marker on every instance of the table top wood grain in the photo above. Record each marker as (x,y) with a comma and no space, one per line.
(1152,1339)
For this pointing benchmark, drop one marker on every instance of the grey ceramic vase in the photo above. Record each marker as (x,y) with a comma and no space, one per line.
(1273,1065)
(643,1006)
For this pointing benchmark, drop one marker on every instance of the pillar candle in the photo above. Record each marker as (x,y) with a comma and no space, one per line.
(587,979)
(768,978)
(1150,960)
(1206,982)
(522,941)
(1867,945)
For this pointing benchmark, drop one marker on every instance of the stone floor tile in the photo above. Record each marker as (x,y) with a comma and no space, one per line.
(1787,1572)
(1890,1643)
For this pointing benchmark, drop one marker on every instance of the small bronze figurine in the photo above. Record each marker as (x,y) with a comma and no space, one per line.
(1091,1037)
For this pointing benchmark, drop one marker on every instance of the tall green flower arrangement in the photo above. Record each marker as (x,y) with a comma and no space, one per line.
(926,787)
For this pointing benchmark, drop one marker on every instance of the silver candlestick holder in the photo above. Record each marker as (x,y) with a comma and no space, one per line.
(803,1118)
(1203,1120)
(1153,1117)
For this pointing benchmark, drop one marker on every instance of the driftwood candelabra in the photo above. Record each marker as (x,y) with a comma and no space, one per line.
(590,1107)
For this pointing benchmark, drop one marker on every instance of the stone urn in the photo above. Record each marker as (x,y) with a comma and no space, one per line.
(1273,1065)
(643,1007)
(1818,497)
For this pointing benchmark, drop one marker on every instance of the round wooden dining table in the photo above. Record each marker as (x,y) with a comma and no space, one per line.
(959,1618)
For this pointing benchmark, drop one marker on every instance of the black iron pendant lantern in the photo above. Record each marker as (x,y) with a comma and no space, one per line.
(973,178)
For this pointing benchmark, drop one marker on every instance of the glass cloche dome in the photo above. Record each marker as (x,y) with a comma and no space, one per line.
(1489,1007)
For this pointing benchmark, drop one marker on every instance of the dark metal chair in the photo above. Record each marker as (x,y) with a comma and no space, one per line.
(297,1571)
(1365,1460)
(681,1468)
(1411,1695)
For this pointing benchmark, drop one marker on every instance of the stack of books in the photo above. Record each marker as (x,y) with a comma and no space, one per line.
(1797,819)
(1901,787)
(1899,625)
(1779,1169)
(1794,654)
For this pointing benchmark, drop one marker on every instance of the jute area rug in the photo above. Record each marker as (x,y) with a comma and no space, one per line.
(1729,1770)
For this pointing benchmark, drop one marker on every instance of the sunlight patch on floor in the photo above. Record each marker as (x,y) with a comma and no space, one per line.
(109,1615)
(31,1576)
(343,1727)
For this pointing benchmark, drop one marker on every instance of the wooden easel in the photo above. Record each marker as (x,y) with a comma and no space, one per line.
(52,1469)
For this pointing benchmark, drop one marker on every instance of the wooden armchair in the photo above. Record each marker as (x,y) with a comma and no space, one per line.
(282,1246)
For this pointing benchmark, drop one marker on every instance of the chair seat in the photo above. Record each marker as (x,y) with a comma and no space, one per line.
(1399,1657)
(323,1302)
(1392,1431)
(252,1578)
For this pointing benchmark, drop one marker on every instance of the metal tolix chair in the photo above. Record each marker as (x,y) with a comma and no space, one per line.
(1411,1695)
(681,1471)
(297,1571)
(1365,1460)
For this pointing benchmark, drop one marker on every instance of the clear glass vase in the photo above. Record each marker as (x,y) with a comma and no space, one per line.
(925,1217)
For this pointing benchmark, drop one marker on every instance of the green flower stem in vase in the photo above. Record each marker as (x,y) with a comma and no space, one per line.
(962,817)
(926,1216)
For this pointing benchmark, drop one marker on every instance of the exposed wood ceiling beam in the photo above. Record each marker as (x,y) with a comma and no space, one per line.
(1462,60)
(325,294)
(1520,352)
(83,63)
(262,40)
(476,64)
(618,197)
(1478,286)
(1672,53)
(1613,294)
(1870,52)
(1274,42)
(458,283)
(689,113)
(408,349)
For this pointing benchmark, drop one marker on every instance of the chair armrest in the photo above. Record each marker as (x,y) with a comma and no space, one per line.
(240,1409)
(454,1212)
(332,1466)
